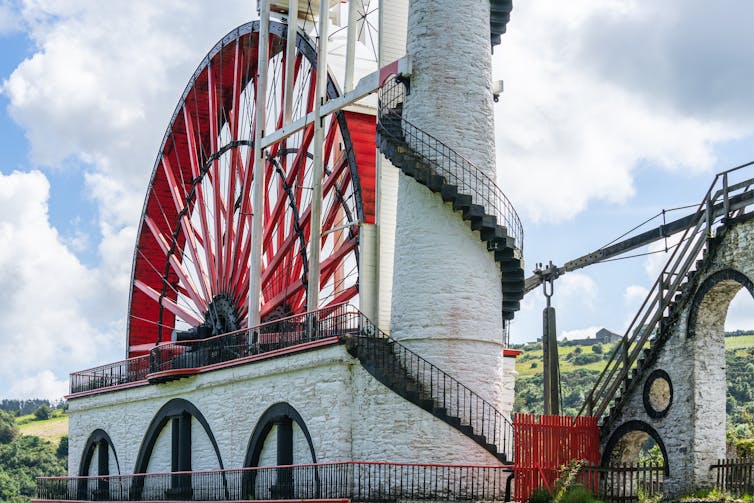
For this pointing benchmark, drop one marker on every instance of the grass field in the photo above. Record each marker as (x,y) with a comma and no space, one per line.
(49,429)
(532,353)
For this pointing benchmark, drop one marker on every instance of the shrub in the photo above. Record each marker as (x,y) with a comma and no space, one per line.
(578,350)
(586,359)
(577,494)
(597,349)
(8,428)
(540,495)
(43,412)
(62,450)
(534,365)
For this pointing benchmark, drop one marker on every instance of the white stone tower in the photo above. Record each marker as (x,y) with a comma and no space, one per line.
(447,297)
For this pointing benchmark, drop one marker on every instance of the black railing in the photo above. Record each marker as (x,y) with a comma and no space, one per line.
(336,321)
(449,397)
(112,374)
(624,483)
(355,481)
(734,476)
(446,162)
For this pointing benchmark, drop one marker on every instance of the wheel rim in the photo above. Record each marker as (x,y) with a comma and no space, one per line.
(191,260)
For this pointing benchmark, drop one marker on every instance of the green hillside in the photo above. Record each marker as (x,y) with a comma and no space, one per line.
(31,447)
(581,365)
(52,429)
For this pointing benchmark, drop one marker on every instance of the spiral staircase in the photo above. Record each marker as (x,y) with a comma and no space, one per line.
(425,385)
(460,184)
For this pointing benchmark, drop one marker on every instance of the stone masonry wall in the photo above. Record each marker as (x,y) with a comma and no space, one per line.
(447,298)
(451,84)
(693,430)
(350,415)
(446,291)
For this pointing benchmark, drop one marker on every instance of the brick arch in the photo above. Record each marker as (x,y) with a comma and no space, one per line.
(629,428)
(723,285)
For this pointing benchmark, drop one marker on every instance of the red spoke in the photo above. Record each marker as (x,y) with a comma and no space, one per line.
(187,227)
(178,268)
(200,204)
(168,304)
(215,181)
(195,233)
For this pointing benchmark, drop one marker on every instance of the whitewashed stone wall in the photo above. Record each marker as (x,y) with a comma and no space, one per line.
(447,298)
(508,380)
(349,414)
(693,431)
(451,84)
(446,291)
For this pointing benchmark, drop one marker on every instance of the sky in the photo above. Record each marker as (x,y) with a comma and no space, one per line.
(613,110)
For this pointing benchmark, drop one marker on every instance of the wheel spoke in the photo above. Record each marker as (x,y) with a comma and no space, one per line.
(178,268)
(195,234)
(168,304)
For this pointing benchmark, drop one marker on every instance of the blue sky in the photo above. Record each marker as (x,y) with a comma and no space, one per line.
(612,111)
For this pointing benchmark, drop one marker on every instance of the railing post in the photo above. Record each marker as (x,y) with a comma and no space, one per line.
(708,215)
(726,200)
(625,362)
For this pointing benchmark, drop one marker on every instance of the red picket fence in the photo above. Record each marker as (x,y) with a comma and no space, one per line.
(543,444)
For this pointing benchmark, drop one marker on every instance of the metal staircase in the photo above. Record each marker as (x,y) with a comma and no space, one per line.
(444,171)
(723,204)
(425,385)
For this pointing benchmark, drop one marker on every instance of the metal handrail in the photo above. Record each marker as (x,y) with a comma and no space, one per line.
(110,374)
(331,482)
(335,321)
(658,302)
(448,163)
(447,393)
(263,338)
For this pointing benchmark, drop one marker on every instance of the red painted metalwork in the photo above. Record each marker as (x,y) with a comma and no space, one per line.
(193,245)
(544,444)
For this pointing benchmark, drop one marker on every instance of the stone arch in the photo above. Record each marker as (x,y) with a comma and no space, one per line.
(723,285)
(99,441)
(628,439)
(281,415)
(98,438)
(179,412)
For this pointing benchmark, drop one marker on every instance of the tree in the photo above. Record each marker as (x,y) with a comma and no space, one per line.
(25,459)
(597,349)
(8,428)
(62,451)
(43,412)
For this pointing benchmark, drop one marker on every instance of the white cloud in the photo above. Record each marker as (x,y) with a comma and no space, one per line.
(579,333)
(577,288)
(98,92)
(42,385)
(740,312)
(568,133)
(49,299)
(10,21)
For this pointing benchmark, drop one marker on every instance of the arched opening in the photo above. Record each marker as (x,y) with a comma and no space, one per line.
(99,459)
(177,431)
(281,438)
(632,443)
(722,378)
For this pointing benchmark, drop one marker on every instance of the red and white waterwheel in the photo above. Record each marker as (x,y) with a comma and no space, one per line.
(191,263)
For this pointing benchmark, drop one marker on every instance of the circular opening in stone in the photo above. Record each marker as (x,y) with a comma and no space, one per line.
(658,394)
